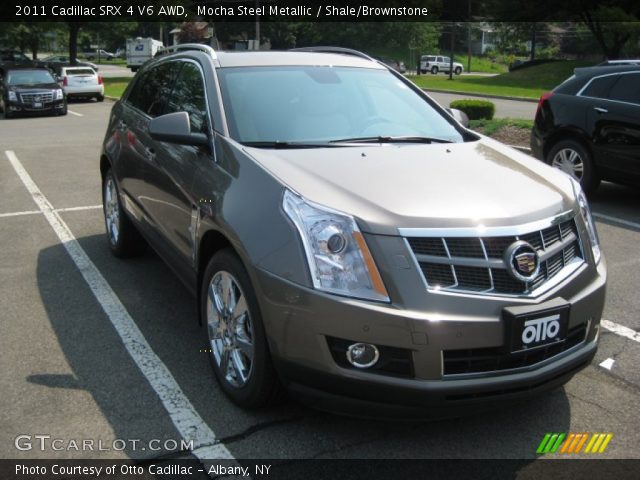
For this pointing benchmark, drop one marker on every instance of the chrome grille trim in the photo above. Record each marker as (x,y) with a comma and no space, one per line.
(558,245)
(45,97)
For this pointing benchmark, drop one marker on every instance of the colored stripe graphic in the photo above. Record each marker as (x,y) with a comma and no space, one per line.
(572,443)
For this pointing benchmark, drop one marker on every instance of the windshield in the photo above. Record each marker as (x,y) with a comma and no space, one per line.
(29,77)
(324,104)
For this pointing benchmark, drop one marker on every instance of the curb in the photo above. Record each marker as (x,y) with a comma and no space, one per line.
(482,95)
(113,99)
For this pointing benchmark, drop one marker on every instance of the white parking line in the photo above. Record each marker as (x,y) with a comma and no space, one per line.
(75,113)
(621,330)
(608,363)
(77,209)
(182,413)
(611,219)
(17,214)
(39,212)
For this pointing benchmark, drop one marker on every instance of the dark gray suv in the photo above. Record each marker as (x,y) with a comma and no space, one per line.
(347,238)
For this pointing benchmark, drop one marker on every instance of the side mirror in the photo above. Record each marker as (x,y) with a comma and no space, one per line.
(460,116)
(175,128)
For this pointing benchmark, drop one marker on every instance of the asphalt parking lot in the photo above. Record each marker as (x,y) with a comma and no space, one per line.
(69,372)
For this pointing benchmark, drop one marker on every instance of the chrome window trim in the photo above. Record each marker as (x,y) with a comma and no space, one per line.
(580,92)
(482,231)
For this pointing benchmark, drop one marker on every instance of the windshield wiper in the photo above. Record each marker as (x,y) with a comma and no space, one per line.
(285,145)
(392,139)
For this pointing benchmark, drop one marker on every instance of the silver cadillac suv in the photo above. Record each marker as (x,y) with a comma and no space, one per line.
(346,238)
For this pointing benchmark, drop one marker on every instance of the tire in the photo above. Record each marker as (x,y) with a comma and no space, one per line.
(423,71)
(457,71)
(100,98)
(123,238)
(434,70)
(574,158)
(249,378)
(64,110)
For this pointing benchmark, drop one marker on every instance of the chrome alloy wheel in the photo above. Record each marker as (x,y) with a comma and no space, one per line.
(112,210)
(570,162)
(230,329)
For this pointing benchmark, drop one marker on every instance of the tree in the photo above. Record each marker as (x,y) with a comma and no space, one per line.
(612,26)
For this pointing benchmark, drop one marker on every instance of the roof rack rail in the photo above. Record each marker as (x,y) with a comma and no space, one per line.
(344,51)
(190,46)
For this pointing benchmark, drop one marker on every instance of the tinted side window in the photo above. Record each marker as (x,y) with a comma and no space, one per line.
(599,87)
(152,90)
(189,96)
(626,89)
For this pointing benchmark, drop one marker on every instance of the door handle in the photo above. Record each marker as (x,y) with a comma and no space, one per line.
(150,154)
(601,110)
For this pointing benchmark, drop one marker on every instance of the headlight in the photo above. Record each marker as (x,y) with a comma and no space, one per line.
(12,96)
(585,211)
(339,259)
(59,94)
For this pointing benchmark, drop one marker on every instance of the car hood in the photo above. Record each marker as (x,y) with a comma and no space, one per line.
(393,186)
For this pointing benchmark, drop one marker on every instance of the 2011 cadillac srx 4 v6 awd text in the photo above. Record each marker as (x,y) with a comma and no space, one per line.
(348,240)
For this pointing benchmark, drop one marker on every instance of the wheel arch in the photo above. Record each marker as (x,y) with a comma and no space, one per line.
(211,242)
(105,164)
(566,134)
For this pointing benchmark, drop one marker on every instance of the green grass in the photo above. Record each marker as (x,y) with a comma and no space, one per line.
(526,83)
(489,127)
(481,64)
(478,64)
(114,87)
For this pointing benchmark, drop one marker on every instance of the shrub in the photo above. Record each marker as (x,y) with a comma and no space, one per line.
(475,109)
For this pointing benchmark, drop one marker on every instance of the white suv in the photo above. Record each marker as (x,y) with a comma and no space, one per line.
(438,63)
(82,82)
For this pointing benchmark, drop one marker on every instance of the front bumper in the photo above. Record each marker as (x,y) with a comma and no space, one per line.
(301,322)
(47,107)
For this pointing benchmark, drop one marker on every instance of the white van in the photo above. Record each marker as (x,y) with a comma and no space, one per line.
(139,50)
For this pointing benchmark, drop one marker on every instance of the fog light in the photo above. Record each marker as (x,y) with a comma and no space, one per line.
(363,355)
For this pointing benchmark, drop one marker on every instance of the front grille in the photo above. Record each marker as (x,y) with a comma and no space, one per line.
(45,97)
(476,264)
(480,360)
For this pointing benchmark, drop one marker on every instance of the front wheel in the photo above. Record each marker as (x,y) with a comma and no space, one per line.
(457,71)
(236,340)
(124,240)
(574,159)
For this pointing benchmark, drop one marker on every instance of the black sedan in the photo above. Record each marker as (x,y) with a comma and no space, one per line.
(31,90)
(589,126)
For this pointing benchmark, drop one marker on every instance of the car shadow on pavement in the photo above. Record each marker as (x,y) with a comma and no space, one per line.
(165,313)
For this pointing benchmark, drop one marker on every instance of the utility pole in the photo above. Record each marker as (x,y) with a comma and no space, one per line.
(469,36)
(257,26)
(453,27)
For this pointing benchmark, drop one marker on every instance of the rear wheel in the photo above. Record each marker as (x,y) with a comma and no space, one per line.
(434,70)
(235,334)
(573,158)
(100,98)
(124,240)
